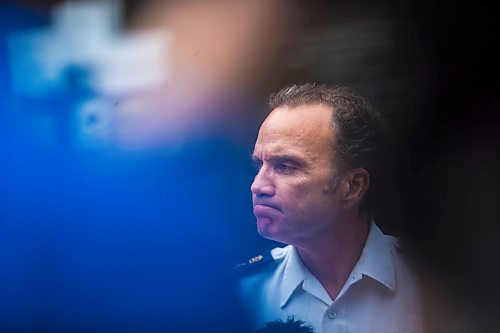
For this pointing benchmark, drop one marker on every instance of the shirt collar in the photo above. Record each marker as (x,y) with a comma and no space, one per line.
(375,262)
(294,275)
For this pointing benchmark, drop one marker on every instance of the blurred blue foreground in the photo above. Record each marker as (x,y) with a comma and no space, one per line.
(97,238)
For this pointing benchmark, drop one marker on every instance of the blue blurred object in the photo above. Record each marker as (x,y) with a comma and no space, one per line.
(91,243)
(103,240)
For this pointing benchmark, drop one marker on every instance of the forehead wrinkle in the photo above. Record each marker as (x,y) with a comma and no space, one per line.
(271,151)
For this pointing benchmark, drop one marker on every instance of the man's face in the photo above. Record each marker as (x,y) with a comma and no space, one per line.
(294,156)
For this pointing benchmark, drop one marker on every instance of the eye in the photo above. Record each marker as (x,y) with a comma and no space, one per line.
(257,164)
(285,168)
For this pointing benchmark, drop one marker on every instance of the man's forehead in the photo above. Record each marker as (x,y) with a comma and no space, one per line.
(300,125)
(267,149)
(299,139)
(283,153)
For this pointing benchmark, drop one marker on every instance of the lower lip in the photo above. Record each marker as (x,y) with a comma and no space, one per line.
(264,211)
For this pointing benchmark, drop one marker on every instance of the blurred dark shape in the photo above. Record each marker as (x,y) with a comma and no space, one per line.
(291,325)
(453,196)
(450,162)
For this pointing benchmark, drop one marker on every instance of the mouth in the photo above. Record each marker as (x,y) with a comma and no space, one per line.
(266,203)
(265,210)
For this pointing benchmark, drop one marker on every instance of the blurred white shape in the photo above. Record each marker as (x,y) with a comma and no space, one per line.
(133,63)
(84,29)
(85,34)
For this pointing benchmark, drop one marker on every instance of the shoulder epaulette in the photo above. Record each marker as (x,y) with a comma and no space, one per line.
(254,262)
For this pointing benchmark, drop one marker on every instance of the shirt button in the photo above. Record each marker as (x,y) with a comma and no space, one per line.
(332,315)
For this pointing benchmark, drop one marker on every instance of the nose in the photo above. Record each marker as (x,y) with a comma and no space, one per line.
(262,185)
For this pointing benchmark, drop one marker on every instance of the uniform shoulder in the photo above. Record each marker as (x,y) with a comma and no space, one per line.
(260,261)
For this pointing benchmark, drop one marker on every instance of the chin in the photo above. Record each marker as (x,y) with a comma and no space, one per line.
(265,228)
(270,232)
(264,232)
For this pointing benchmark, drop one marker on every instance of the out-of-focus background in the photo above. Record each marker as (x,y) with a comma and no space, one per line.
(126,129)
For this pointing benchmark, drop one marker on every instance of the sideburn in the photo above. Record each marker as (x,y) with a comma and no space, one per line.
(333,184)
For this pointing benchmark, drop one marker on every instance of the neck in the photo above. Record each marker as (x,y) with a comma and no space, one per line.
(332,256)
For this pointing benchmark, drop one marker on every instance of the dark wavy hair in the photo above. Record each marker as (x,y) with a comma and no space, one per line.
(358,130)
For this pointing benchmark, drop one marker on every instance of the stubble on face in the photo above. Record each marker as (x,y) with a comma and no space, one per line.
(294,150)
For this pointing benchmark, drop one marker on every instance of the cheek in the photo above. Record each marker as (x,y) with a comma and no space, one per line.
(314,199)
(299,199)
(303,194)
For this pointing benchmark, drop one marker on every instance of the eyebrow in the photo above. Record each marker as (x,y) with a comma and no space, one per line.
(254,159)
(279,158)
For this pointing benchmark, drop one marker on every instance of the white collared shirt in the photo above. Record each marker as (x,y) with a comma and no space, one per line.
(380,295)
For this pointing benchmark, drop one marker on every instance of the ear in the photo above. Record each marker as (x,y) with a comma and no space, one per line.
(357,182)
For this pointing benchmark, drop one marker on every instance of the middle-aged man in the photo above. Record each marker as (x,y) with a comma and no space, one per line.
(316,154)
